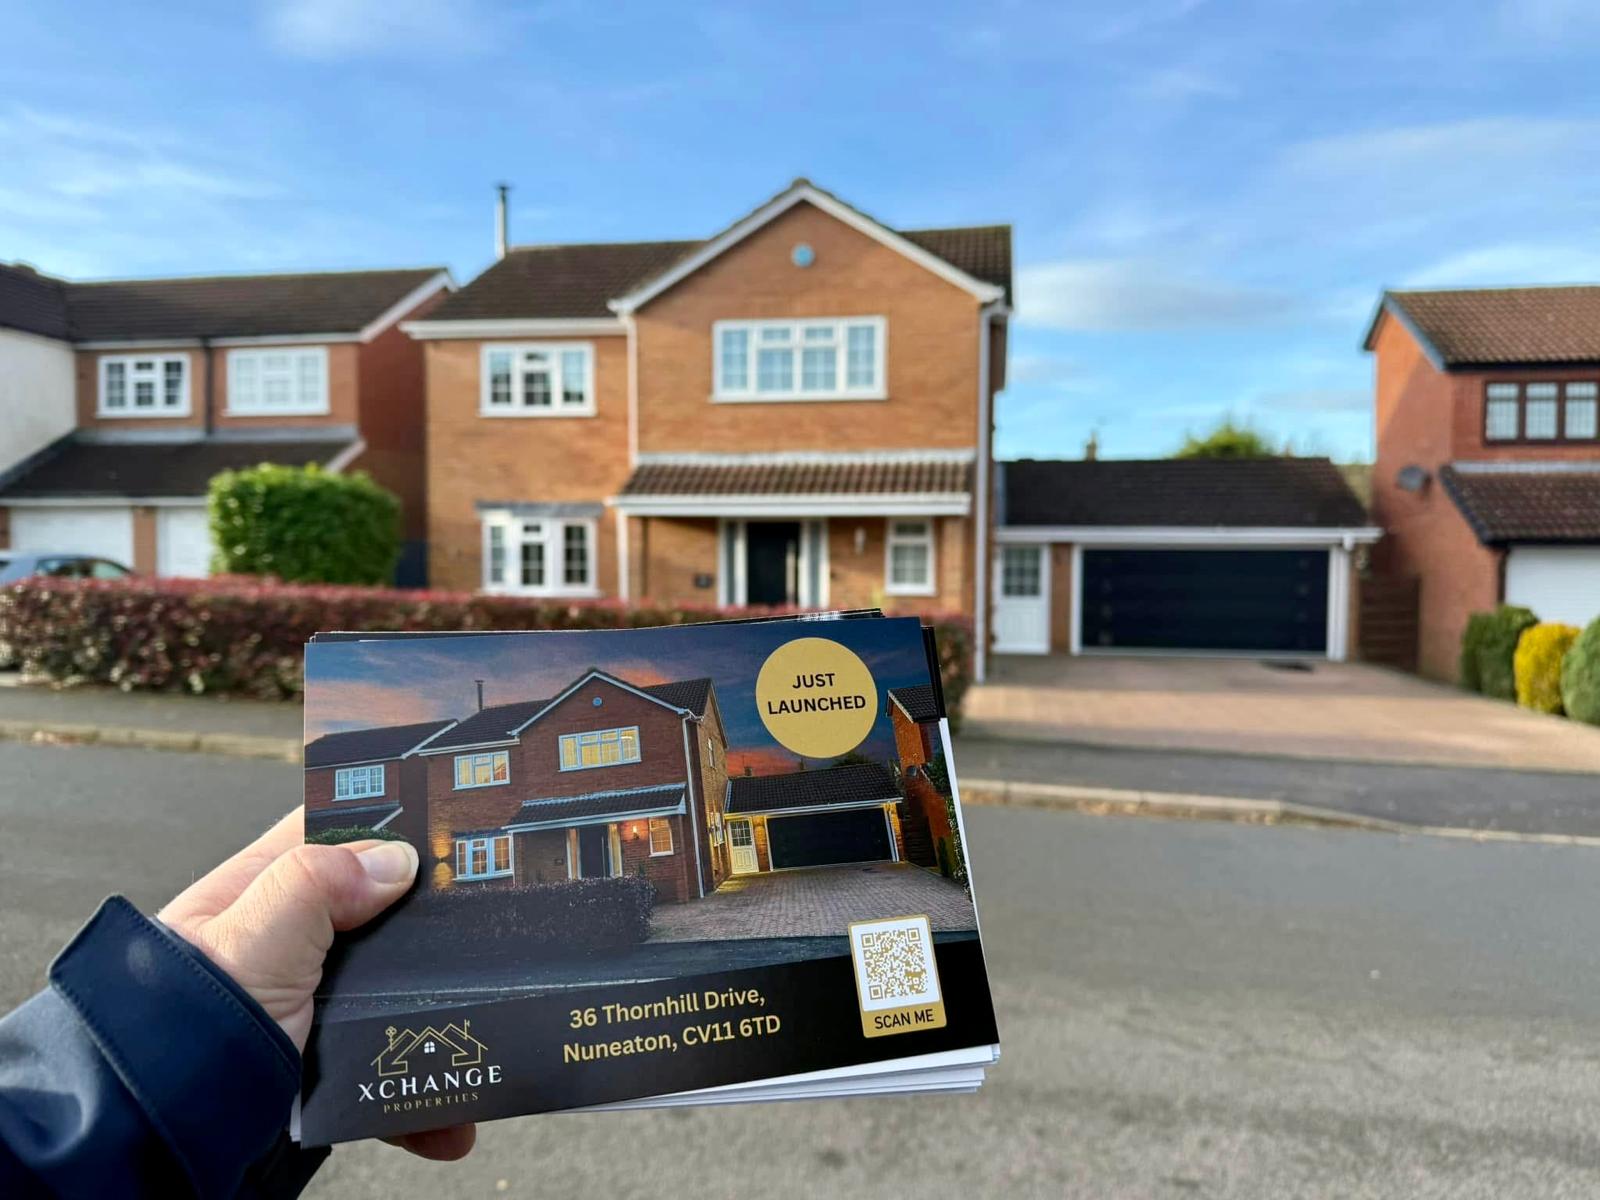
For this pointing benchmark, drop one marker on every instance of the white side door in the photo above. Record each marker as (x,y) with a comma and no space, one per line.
(102,532)
(1022,600)
(183,542)
(743,844)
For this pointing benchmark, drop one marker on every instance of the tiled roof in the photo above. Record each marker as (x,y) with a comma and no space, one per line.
(560,281)
(238,305)
(369,745)
(884,477)
(1504,326)
(355,816)
(92,468)
(618,802)
(982,251)
(920,703)
(856,784)
(32,302)
(1526,502)
(1215,492)
(495,723)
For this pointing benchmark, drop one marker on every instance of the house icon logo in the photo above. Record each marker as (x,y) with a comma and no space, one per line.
(451,1046)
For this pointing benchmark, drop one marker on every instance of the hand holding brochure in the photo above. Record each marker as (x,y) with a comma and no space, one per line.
(689,865)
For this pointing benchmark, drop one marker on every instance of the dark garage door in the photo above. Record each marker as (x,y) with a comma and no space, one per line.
(858,835)
(1266,600)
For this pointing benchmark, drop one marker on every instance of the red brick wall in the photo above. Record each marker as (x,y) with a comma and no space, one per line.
(392,416)
(711,762)
(909,741)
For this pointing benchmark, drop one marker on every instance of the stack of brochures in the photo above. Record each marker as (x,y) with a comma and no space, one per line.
(698,864)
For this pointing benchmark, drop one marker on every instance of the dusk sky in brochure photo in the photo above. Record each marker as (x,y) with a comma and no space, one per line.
(1207,197)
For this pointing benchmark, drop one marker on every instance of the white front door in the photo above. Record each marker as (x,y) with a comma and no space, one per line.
(743,842)
(183,542)
(1022,600)
(104,532)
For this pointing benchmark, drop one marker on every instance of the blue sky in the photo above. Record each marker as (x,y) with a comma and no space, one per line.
(1207,196)
(357,685)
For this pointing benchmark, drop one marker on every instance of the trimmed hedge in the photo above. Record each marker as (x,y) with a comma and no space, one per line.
(304,525)
(1537,665)
(1580,676)
(1488,647)
(351,833)
(247,636)
(581,914)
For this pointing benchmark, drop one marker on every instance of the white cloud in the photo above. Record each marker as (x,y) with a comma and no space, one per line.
(1109,294)
(337,29)
(1511,263)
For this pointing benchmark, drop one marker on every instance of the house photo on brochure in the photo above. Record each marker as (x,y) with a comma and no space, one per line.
(697,864)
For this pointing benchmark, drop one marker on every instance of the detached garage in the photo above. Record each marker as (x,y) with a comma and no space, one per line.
(812,819)
(1218,556)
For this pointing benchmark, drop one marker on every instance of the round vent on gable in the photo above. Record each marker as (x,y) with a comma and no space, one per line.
(802,255)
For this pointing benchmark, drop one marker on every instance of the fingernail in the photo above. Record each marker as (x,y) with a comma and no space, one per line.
(392,862)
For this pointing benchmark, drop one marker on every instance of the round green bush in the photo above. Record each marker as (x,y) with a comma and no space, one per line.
(304,525)
(1488,648)
(1580,676)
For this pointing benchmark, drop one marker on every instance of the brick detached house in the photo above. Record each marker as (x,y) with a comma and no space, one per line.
(122,399)
(797,410)
(1487,479)
(606,778)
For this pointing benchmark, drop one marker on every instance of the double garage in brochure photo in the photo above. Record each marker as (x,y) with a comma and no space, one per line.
(1249,556)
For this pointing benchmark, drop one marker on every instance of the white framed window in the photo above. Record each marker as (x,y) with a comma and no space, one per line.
(490,857)
(551,379)
(1581,411)
(600,748)
(144,385)
(357,783)
(908,568)
(278,382)
(488,769)
(835,358)
(539,556)
(660,836)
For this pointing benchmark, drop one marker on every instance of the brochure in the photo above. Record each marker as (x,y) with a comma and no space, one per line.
(703,864)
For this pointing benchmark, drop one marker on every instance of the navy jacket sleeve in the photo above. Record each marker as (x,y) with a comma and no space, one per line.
(143,1070)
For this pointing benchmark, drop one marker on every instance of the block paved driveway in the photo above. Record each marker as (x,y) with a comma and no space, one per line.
(815,902)
(1245,706)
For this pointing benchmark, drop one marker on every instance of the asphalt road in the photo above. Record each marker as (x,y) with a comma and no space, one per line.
(1564,802)
(1187,1009)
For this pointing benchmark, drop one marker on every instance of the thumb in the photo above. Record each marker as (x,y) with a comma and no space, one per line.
(273,938)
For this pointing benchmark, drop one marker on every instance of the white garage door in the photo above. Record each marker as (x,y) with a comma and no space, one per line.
(183,542)
(1560,583)
(105,532)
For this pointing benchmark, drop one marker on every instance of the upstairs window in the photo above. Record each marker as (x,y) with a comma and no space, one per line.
(538,381)
(357,783)
(144,385)
(601,748)
(267,383)
(541,556)
(483,770)
(910,567)
(833,359)
(1540,412)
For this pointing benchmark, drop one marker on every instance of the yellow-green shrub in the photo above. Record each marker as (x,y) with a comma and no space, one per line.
(1537,665)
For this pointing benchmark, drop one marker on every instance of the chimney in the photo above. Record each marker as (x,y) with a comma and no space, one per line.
(1091,448)
(479,682)
(501,221)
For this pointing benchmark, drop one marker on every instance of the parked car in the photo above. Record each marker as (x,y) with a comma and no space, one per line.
(59,565)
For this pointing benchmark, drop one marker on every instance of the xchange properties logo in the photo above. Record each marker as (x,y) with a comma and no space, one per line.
(429,1068)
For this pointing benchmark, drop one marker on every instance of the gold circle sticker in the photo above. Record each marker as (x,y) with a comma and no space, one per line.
(816,697)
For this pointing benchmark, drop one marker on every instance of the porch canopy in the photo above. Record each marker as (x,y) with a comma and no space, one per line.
(598,808)
(813,484)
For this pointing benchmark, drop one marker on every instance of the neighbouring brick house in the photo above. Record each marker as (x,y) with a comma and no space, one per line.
(914,714)
(797,410)
(145,389)
(370,779)
(1487,479)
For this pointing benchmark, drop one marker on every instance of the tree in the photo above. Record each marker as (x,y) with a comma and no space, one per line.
(1227,440)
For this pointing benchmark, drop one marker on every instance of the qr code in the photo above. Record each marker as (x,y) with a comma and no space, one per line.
(894,962)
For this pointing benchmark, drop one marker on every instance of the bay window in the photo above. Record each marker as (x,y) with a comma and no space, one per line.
(545,380)
(144,385)
(829,359)
(275,382)
(539,556)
